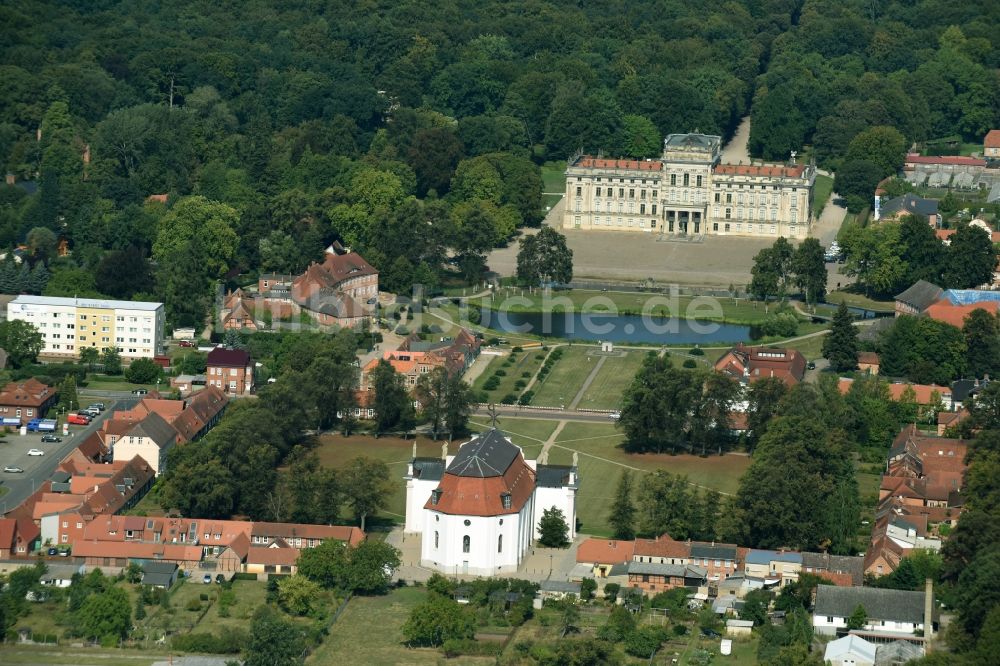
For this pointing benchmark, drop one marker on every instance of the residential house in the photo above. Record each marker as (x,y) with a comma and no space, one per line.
(890,612)
(118,554)
(750,364)
(19,537)
(843,570)
(26,400)
(923,394)
(964,391)
(774,566)
(191,418)
(655,578)
(947,420)
(991,145)
(303,536)
(152,438)
(917,298)
(719,559)
(868,362)
(662,550)
(61,575)
(909,204)
(850,650)
(602,554)
(230,370)
(416,358)
(278,558)
(159,574)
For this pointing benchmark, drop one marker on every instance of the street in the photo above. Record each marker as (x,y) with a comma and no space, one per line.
(37,469)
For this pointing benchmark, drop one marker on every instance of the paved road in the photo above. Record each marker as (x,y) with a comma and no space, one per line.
(37,469)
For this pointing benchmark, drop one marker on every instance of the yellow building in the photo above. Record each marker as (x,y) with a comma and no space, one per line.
(689,192)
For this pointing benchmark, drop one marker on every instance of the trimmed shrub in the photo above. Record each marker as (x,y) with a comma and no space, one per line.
(508,399)
(526,398)
(690,363)
(500,373)
(697,351)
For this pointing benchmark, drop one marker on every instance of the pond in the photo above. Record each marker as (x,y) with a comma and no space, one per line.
(615,327)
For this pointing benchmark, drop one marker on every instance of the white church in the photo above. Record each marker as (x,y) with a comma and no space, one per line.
(478,511)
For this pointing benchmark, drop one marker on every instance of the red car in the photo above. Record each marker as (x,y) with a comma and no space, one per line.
(186,343)
(78,419)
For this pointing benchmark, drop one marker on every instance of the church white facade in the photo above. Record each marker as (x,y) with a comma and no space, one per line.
(478,511)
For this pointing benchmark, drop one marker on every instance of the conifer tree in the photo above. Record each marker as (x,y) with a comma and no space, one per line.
(841,346)
(622,516)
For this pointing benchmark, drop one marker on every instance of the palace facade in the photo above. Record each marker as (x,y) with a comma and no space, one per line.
(689,191)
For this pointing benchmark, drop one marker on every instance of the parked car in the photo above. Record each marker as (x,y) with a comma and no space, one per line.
(63,553)
(36,452)
(78,419)
(140,391)
(811,365)
(53,551)
(11,469)
(185,343)
(51,439)
(99,406)
(207,579)
(91,412)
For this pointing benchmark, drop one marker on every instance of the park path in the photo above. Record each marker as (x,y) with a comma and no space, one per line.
(587,382)
(735,152)
(544,453)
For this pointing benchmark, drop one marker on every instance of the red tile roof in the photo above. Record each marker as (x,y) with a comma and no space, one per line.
(137,550)
(945,311)
(992,139)
(8,526)
(352,535)
(945,234)
(273,556)
(795,171)
(605,551)
(479,496)
(662,546)
(28,393)
(953,160)
(589,162)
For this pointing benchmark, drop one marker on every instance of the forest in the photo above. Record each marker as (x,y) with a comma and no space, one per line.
(414,134)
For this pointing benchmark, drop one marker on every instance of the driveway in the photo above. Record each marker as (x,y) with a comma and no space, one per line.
(38,469)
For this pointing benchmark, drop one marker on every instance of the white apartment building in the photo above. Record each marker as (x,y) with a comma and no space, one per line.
(688,191)
(68,325)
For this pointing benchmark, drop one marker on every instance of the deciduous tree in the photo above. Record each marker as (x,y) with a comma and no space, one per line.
(553,532)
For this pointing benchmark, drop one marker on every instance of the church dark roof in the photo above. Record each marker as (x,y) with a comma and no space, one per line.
(428,469)
(553,476)
(489,454)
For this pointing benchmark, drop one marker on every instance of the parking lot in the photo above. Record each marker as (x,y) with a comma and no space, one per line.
(14,453)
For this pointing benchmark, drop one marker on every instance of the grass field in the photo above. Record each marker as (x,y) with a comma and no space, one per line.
(554,177)
(66,656)
(370,632)
(821,192)
(859,301)
(811,348)
(605,392)
(601,462)
(566,379)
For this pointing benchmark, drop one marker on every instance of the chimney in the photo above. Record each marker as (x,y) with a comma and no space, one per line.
(928,614)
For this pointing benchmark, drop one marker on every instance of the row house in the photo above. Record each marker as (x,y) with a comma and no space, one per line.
(19,537)
(774,566)
(718,559)
(653,578)
(301,535)
(25,400)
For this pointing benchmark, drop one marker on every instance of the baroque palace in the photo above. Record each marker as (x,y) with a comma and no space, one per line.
(689,192)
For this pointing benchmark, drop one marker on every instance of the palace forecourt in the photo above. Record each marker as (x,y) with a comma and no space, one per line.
(689,192)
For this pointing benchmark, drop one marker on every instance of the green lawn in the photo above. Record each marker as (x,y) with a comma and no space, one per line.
(566,379)
(117,383)
(550,200)
(370,632)
(811,348)
(859,301)
(821,193)
(67,656)
(605,392)
(514,367)
(601,463)
(554,177)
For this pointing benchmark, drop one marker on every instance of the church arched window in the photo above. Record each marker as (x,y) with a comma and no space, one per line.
(436,535)
(465,543)
(500,544)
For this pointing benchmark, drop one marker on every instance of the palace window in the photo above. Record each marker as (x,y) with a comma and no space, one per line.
(729,197)
(597,192)
(500,544)
(699,181)
(654,209)
(505,498)
(437,539)
(631,194)
(727,226)
(729,213)
(774,214)
(466,543)
(715,226)
(673,179)
(579,191)
(642,209)
(794,217)
(687,180)
(621,192)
